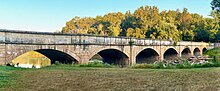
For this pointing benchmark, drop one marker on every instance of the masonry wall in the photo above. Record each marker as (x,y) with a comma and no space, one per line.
(83,47)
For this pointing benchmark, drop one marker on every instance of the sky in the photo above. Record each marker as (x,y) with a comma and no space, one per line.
(52,15)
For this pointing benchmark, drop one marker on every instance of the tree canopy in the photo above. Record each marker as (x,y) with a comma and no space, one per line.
(148,22)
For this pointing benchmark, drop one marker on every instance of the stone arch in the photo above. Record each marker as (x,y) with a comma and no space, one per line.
(13,51)
(170,54)
(196,52)
(147,55)
(204,50)
(186,53)
(112,56)
(43,57)
(56,55)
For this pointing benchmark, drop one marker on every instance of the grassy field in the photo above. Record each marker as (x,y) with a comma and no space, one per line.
(68,78)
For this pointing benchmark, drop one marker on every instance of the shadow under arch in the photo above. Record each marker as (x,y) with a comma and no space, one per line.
(113,56)
(56,55)
(186,53)
(196,52)
(170,54)
(147,55)
(204,50)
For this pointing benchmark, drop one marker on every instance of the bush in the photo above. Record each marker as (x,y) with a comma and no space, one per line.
(145,66)
(170,66)
(185,65)
(214,64)
(57,63)
(208,65)
(180,66)
(196,66)
(160,65)
(96,64)
(214,53)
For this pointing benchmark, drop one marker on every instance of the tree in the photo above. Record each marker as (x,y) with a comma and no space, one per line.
(184,27)
(70,26)
(148,22)
(215,9)
(212,28)
(139,33)
(113,23)
(216,5)
(128,22)
(130,32)
(165,31)
(79,25)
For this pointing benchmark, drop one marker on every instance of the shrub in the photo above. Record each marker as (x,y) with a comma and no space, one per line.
(180,66)
(57,63)
(96,64)
(160,65)
(216,64)
(208,65)
(145,66)
(108,65)
(170,66)
(196,66)
(185,65)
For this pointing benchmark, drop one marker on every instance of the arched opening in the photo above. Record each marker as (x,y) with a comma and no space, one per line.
(204,50)
(112,56)
(55,55)
(170,54)
(186,53)
(147,56)
(196,52)
(43,57)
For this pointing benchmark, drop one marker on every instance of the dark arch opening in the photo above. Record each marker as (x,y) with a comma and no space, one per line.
(186,53)
(147,56)
(170,54)
(55,55)
(112,56)
(204,50)
(196,52)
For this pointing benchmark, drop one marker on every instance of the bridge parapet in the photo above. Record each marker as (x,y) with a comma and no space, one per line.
(24,37)
(195,43)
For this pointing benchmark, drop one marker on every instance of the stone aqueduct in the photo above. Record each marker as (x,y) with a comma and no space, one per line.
(81,48)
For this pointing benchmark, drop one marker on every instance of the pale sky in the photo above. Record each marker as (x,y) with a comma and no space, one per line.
(51,15)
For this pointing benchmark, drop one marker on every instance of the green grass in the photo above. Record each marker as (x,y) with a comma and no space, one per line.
(64,77)
(97,64)
(215,52)
(7,77)
(185,65)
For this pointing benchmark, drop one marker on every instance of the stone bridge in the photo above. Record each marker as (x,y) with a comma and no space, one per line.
(75,48)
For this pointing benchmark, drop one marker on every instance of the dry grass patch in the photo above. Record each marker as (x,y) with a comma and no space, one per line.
(116,79)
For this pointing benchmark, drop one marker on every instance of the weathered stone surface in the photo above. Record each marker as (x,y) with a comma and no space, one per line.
(84,47)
